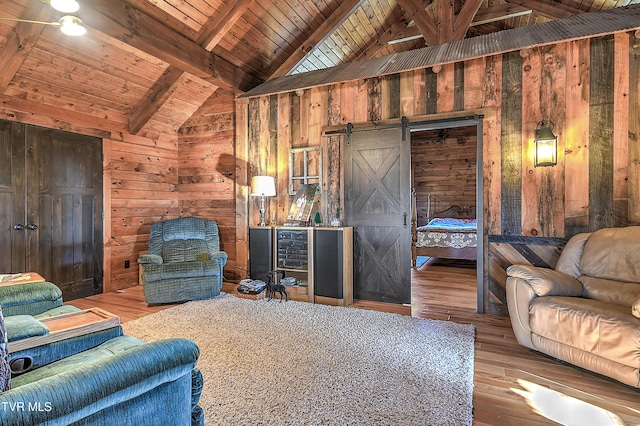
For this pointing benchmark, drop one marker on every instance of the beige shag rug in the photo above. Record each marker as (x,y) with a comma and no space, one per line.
(295,363)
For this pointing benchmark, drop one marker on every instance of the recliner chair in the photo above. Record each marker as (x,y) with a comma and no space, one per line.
(184,261)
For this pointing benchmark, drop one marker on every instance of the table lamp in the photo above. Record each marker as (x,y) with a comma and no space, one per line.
(262,186)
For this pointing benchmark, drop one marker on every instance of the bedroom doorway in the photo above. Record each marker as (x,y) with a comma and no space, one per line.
(377,194)
(446,189)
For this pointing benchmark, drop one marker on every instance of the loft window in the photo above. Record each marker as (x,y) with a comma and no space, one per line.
(305,166)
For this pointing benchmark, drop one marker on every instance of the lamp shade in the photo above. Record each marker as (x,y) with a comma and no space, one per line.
(264,186)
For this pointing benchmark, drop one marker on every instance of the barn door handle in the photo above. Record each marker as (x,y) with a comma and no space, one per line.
(32,227)
(404,219)
(18,227)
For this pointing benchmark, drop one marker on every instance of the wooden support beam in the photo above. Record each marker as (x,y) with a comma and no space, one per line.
(168,83)
(21,41)
(549,9)
(346,9)
(217,27)
(444,13)
(415,11)
(161,92)
(394,32)
(465,17)
(498,13)
(120,20)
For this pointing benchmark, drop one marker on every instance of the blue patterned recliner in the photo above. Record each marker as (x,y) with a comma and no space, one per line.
(184,261)
(123,381)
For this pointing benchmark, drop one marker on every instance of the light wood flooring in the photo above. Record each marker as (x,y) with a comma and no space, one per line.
(506,375)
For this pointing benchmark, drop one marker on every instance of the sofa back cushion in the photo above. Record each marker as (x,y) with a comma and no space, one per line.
(569,261)
(610,291)
(613,254)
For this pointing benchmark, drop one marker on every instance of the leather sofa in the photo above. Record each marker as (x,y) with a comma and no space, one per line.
(586,311)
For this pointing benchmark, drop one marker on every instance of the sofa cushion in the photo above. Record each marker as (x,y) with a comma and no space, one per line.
(23,327)
(183,250)
(169,271)
(604,329)
(29,298)
(610,291)
(614,254)
(569,261)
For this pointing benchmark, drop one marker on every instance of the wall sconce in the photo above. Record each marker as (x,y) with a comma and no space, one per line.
(69,25)
(262,186)
(546,144)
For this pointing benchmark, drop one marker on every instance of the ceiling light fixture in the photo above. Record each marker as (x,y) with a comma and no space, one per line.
(69,25)
(65,6)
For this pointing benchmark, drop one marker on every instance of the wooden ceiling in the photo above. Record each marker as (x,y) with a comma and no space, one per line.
(146,66)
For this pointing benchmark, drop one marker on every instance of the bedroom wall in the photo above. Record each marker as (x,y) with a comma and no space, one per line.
(529,212)
(443,170)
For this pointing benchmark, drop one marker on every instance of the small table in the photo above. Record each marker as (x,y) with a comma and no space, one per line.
(66,326)
(25,277)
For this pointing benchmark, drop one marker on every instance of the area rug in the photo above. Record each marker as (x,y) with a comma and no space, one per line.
(296,363)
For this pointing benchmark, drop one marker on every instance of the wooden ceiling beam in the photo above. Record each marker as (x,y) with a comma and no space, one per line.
(123,22)
(498,13)
(416,12)
(395,32)
(444,24)
(161,92)
(21,41)
(165,87)
(216,28)
(465,17)
(346,9)
(549,9)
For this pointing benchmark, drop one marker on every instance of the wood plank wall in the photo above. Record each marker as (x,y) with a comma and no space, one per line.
(595,184)
(443,169)
(160,175)
(207,170)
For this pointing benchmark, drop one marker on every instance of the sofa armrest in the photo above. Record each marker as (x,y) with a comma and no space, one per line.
(91,387)
(220,256)
(546,282)
(525,283)
(152,259)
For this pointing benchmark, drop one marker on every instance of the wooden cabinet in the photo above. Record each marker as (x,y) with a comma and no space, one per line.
(319,259)
(51,206)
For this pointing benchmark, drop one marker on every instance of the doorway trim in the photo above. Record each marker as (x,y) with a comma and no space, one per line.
(440,121)
(467,121)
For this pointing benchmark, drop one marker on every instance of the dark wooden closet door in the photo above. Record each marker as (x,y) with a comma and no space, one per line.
(64,210)
(378,206)
(12,198)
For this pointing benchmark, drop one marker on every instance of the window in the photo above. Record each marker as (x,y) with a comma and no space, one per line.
(305,166)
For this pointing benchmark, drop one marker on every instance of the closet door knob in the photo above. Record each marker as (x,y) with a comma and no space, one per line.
(32,227)
(18,227)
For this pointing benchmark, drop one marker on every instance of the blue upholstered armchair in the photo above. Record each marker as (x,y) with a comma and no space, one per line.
(184,261)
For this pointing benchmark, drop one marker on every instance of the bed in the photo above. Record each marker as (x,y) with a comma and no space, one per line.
(450,234)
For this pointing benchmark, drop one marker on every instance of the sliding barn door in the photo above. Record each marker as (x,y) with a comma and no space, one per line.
(51,207)
(378,206)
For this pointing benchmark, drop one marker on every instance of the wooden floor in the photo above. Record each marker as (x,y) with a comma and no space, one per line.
(507,376)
